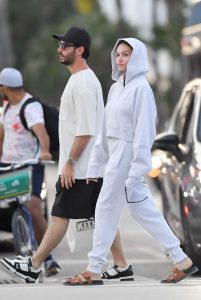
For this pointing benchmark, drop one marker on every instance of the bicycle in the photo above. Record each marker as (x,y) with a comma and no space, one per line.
(15,189)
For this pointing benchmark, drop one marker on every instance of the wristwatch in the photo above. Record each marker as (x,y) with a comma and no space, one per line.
(70,161)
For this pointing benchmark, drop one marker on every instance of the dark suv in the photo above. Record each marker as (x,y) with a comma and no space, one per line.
(179,153)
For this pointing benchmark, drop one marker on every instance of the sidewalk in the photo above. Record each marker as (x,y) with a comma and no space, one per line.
(152,290)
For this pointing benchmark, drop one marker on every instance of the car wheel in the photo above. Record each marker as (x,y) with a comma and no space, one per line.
(188,244)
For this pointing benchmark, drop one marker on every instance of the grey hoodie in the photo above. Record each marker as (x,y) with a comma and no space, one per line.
(138,63)
(129,115)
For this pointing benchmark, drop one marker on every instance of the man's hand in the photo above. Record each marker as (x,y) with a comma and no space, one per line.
(45,156)
(41,133)
(67,176)
(91,179)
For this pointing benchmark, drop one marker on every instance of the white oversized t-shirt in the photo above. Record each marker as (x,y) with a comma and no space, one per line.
(19,144)
(81,113)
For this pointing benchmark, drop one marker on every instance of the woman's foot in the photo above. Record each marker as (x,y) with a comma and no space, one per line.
(184,264)
(84,278)
(180,271)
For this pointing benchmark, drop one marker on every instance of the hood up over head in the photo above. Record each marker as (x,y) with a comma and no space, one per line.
(138,62)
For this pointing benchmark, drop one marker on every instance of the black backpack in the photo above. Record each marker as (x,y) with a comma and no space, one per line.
(51,118)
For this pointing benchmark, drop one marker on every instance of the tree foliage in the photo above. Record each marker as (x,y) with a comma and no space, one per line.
(36,51)
(32,24)
(168,36)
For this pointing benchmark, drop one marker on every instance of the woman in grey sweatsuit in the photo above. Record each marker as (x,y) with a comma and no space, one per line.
(123,147)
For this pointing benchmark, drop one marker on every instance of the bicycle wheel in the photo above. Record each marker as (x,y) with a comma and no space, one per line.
(21,233)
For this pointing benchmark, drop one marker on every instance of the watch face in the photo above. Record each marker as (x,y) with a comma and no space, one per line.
(70,161)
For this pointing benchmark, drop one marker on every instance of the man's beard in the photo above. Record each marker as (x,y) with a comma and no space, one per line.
(68,60)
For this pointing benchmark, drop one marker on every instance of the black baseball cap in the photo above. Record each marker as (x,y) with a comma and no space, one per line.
(75,35)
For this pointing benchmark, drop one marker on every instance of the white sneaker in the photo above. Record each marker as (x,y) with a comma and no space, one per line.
(22,267)
(114,272)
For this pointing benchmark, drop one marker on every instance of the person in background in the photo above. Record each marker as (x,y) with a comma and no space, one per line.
(124,146)
(81,113)
(18,145)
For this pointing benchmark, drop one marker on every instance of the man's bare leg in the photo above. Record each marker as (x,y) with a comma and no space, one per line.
(39,222)
(55,233)
(53,236)
(118,252)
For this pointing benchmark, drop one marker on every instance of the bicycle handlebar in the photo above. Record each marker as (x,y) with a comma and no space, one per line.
(25,164)
(34,161)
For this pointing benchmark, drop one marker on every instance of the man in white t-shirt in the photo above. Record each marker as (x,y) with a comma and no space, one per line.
(18,144)
(80,118)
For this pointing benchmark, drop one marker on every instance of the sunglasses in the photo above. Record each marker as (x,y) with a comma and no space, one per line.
(63,45)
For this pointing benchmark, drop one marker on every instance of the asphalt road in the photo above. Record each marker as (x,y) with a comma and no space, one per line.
(149,262)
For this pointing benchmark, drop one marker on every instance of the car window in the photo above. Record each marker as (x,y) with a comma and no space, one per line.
(199,127)
(184,115)
(189,131)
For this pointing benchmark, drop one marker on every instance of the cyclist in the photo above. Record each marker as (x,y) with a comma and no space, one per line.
(18,145)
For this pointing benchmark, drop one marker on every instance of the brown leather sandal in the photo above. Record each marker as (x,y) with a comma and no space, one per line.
(178,275)
(83,278)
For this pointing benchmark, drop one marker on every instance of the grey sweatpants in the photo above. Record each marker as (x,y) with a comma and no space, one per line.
(139,201)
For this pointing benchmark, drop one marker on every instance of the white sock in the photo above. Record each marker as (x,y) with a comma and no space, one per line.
(123,269)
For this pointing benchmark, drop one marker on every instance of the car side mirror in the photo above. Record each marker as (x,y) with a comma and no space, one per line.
(168,141)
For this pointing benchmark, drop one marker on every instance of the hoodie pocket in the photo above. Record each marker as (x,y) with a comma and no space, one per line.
(116,149)
(136,191)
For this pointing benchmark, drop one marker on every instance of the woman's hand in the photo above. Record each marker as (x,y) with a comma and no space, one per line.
(91,179)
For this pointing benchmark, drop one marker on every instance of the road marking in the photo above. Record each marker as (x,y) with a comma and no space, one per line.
(184,283)
(8,281)
(135,261)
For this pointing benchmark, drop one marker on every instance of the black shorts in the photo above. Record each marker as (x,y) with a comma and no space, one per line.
(77,202)
(37,178)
